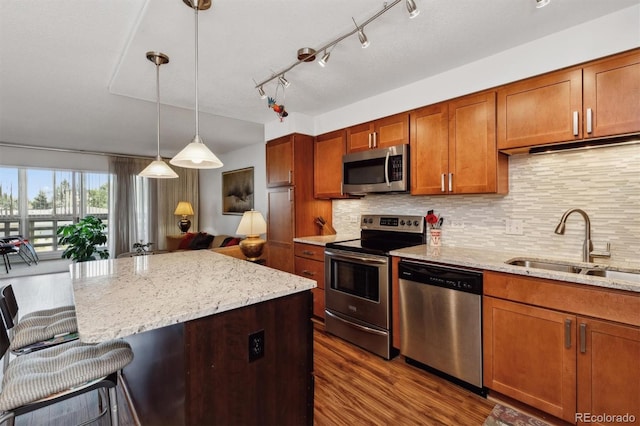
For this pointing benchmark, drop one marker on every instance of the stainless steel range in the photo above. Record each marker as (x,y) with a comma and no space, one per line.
(358,280)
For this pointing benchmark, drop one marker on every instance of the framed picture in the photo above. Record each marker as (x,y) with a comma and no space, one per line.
(237,191)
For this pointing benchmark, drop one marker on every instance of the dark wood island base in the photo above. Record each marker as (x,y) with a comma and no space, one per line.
(199,372)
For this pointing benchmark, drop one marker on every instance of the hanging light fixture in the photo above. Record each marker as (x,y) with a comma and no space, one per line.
(325,58)
(196,155)
(542,3)
(413,9)
(158,169)
(361,36)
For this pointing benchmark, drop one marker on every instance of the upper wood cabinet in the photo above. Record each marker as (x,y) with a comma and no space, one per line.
(611,90)
(453,148)
(597,99)
(382,133)
(279,157)
(328,151)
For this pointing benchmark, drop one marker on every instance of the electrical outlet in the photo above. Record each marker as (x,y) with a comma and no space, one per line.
(353,218)
(256,345)
(457,224)
(514,227)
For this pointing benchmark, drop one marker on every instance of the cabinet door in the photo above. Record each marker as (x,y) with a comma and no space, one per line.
(473,156)
(392,130)
(280,228)
(530,355)
(429,151)
(279,162)
(608,369)
(314,270)
(328,151)
(612,96)
(360,137)
(540,110)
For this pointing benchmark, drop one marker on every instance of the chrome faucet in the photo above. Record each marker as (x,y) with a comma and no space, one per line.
(587,246)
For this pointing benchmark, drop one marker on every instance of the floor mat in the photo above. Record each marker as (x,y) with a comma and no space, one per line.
(507,416)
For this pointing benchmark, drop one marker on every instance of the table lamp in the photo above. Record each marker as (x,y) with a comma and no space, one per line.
(184,209)
(252,225)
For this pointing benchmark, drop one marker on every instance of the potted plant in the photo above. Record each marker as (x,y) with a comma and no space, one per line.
(82,239)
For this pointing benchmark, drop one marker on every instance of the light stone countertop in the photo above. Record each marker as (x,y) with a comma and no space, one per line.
(119,297)
(495,261)
(322,240)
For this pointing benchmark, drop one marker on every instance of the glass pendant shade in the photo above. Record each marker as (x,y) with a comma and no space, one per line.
(158,169)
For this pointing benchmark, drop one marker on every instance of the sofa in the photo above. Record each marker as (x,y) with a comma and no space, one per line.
(224,244)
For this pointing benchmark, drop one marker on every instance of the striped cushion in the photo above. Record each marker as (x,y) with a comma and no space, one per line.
(38,375)
(38,328)
(49,312)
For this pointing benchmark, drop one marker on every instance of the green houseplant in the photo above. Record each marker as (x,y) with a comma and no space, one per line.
(82,239)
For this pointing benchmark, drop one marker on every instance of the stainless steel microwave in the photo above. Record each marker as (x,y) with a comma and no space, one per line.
(376,170)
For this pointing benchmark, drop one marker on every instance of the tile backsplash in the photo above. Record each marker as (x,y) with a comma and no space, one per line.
(604,182)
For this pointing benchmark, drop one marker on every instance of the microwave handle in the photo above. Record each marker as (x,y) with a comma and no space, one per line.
(386,169)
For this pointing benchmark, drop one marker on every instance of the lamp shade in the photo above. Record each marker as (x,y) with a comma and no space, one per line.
(252,223)
(158,169)
(184,209)
(196,155)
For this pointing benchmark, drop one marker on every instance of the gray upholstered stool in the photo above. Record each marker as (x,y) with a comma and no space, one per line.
(46,377)
(36,330)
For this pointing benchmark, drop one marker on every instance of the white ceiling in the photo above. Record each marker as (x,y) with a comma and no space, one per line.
(73,73)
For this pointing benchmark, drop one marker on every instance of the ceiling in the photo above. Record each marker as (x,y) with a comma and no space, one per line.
(73,73)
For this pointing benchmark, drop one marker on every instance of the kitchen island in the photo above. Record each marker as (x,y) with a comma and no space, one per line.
(216,340)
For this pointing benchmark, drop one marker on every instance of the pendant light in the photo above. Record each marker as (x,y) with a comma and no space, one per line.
(158,169)
(196,155)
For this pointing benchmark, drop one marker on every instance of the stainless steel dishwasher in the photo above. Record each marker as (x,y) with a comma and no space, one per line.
(441,321)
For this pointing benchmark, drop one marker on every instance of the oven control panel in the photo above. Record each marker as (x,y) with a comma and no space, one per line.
(406,223)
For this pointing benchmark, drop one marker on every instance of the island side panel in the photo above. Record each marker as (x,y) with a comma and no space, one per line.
(224,387)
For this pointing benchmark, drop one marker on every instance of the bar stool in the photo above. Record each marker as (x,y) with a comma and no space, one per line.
(52,375)
(5,250)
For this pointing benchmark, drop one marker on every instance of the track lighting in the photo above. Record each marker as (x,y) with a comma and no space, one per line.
(261,93)
(307,54)
(413,9)
(283,81)
(542,3)
(323,62)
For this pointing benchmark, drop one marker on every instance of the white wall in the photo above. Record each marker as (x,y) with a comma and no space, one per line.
(211,218)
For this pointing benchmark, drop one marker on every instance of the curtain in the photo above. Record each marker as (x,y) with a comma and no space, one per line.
(141,209)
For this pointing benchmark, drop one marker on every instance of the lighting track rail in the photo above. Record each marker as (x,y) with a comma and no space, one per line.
(413,12)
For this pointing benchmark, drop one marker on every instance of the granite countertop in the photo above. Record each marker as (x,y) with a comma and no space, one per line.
(322,240)
(495,261)
(119,297)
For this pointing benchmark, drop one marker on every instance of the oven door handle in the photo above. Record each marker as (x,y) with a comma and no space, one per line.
(356,326)
(356,258)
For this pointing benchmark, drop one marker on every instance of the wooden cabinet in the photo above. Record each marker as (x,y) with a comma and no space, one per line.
(453,148)
(560,347)
(309,263)
(327,170)
(598,99)
(382,133)
(611,89)
(292,207)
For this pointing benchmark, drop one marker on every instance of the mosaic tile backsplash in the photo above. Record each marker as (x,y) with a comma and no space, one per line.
(604,182)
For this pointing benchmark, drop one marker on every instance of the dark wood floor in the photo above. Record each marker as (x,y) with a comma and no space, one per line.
(352,386)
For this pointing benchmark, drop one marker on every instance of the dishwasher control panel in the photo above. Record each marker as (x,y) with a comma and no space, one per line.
(442,276)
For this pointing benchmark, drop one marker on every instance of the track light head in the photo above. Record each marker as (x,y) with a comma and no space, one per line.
(363,38)
(261,93)
(323,61)
(412,8)
(284,81)
(542,3)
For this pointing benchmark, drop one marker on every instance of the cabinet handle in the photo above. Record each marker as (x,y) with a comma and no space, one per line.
(589,120)
(341,188)
(290,176)
(583,338)
(567,333)
(575,123)
(290,194)
(450,182)
(375,139)
(370,141)
(308,273)
(442,182)
(308,252)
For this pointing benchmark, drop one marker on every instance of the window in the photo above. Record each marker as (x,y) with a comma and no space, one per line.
(35,202)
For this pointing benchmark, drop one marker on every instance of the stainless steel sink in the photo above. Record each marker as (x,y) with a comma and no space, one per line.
(550,265)
(577,268)
(613,274)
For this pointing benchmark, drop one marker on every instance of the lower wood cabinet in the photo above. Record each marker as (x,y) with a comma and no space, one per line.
(556,356)
(309,263)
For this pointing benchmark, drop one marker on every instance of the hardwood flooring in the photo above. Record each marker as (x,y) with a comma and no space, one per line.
(352,386)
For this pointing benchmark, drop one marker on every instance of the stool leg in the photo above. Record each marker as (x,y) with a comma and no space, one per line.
(6,260)
(113,402)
